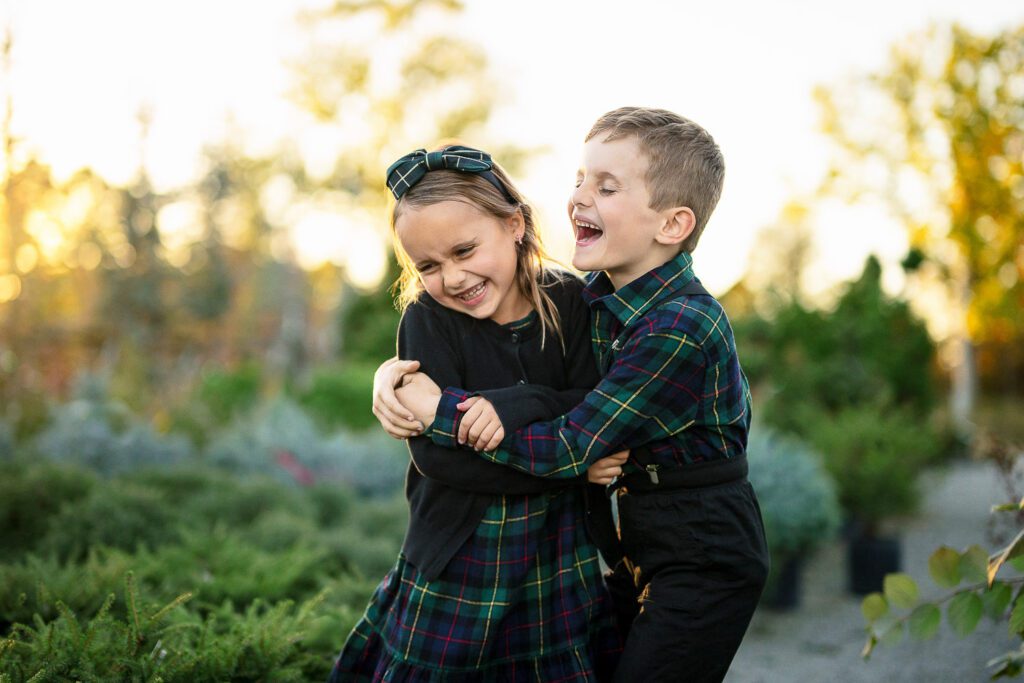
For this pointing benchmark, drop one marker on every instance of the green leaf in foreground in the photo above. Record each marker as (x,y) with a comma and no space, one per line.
(973,564)
(1017,617)
(944,566)
(900,590)
(874,607)
(964,612)
(924,621)
(996,599)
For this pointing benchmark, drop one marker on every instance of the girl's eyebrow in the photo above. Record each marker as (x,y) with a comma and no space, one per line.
(462,245)
(452,249)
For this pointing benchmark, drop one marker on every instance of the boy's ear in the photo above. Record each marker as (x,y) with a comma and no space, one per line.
(679,223)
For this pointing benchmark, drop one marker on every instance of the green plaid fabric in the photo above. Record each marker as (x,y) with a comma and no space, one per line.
(523,600)
(672,388)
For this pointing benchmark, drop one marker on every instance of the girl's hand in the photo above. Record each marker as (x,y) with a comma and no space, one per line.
(419,395)
(396,419)
(480,426)
(606,469)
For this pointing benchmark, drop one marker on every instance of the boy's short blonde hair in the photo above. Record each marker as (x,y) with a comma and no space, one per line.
(685,166)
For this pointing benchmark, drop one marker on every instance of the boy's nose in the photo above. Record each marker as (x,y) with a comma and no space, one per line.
(578,197)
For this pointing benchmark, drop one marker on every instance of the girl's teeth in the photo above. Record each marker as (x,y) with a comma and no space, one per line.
(473,292)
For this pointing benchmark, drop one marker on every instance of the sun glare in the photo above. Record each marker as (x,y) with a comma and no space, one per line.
(344,238)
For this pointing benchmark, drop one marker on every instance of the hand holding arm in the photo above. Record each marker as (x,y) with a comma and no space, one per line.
(480,426)
(419,395)
(395,418)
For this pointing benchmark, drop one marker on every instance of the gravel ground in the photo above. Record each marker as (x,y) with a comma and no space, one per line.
(822,639)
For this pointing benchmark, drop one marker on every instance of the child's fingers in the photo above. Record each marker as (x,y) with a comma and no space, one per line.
(486,435)
(469,417)
(401,433)
(401,368)
(399,429)
(601,474)
(480,423)
(496,439)
(387,377)
(388,417)
(387,402)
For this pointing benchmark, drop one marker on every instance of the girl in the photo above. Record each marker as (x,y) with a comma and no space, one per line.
(496,579)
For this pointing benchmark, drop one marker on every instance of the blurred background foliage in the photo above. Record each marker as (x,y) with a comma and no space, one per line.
(191,405)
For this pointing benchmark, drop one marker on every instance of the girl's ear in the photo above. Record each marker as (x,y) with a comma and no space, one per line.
(517,225)
(679,223)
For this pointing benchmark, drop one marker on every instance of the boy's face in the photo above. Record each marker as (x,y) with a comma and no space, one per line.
(614,224)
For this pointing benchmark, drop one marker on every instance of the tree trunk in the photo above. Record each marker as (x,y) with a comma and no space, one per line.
(964,385)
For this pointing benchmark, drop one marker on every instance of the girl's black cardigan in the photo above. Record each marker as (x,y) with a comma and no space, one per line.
(449,490)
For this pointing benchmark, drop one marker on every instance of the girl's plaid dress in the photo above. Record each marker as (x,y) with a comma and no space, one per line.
(523,599)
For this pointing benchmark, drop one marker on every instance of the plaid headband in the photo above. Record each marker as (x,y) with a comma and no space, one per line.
(411,168)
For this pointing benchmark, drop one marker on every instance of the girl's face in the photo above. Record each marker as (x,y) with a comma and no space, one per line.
(466,258)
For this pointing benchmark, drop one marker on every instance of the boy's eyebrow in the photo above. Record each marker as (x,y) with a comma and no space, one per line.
(600,175)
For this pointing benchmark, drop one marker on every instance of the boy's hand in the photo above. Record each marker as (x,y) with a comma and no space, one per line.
(396,419)
(420,396)
(606,469)
(480,426)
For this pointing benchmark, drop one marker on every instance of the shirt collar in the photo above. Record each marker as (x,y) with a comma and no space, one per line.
(639,296)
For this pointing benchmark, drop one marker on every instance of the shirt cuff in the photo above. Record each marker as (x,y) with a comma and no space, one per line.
(444,430)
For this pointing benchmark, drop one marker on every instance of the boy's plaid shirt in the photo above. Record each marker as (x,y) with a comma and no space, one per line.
(672,384)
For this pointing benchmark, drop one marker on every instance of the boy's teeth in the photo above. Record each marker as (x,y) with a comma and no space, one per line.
(586,231)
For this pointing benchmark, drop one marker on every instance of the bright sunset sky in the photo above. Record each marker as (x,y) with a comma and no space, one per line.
(744,70)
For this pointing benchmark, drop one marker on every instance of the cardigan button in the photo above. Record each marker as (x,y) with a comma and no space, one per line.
(522,381)
(515,336)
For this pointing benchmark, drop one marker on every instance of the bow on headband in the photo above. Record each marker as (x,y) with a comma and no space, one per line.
(411,168)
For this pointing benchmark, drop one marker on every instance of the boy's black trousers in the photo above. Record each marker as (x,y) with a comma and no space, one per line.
(696,563)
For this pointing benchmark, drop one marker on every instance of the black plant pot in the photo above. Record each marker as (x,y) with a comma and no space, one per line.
(785,586)
(870,559)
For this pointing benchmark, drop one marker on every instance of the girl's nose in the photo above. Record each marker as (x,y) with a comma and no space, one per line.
(453,276)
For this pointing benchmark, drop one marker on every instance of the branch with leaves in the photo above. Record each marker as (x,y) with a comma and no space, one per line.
(899,609)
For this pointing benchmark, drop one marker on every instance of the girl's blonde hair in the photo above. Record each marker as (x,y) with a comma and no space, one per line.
(473,189)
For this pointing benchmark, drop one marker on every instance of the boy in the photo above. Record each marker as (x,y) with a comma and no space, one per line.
(672,392)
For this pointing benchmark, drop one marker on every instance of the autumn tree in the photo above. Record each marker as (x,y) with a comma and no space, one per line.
(938,136)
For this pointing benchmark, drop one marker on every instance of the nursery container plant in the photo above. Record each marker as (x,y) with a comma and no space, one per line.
(874,454)
(798,505)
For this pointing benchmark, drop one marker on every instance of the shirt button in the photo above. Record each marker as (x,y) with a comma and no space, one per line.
(515,336)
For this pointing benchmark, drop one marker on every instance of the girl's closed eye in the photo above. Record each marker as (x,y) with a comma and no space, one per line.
(425,267)
(466,250)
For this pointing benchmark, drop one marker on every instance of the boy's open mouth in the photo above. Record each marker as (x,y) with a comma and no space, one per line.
(586,233)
